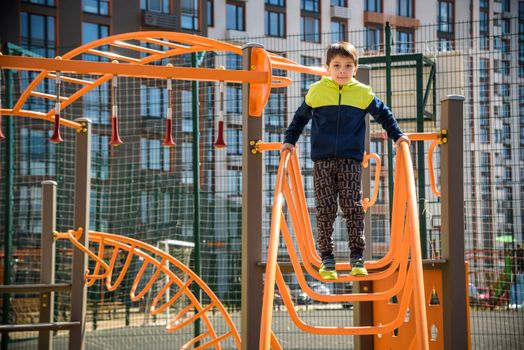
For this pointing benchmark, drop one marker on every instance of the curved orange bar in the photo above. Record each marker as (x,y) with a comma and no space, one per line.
(271,267)
(366,203)
(416,254)
(363,330)
(302,224)
(422,136)
(432,147)
(144,251)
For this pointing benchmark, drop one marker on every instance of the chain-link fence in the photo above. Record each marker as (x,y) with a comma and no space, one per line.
(145,191)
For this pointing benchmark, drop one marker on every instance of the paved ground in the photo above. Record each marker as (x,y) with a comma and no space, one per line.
(492,330)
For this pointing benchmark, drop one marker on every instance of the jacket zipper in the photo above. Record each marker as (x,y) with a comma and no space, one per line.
(338,118)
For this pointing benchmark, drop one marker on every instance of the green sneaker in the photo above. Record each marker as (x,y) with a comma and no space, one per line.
(327,269)
(357,268)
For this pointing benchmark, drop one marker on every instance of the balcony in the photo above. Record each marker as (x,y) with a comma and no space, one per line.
(236,35)
(160,20)
(340,12)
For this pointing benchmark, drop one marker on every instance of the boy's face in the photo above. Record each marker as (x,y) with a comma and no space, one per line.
(341,69)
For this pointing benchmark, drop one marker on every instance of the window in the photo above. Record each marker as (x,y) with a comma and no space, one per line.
(233,99)
(100,153)
(275,20)
(445,44)
(153,156)
(484,25)
(186,107)
(307,79)
(338,31)
(405,8)
(379,229)
(404,41)
(372,38)
(189,14)
(210,13)
(373,5)
(281,3)
(310,5)
(37,154)
(233,61)
(38,33)
(340,3)
(234,140)
(235,16)
(153,101)
(99,7)
(49,3)
(310,29)
(92,32)
(235,182)
(445,16)
(30,206)
(276,109)
(96,105)
(155,5)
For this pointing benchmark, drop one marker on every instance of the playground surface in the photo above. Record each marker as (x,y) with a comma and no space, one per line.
(502,332)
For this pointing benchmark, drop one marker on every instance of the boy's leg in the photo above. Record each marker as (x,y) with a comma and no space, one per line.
(324,176)
(349,183)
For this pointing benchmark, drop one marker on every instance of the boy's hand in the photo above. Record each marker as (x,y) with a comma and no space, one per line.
(287,146)
(401,139)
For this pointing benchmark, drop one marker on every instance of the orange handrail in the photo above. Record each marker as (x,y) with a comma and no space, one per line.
(432,147)
(269,286)
(366,202)
(416,254)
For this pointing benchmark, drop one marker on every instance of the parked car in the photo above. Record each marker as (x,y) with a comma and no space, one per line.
(473,295)
(484,296)
(320,288)
(300,297)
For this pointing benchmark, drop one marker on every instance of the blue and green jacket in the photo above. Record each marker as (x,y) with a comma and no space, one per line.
(338,113)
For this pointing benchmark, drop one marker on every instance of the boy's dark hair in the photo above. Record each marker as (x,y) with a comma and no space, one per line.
(342,48)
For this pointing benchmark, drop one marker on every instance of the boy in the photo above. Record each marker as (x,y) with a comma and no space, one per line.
(338,105)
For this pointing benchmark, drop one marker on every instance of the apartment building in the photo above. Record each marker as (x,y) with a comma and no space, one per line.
(488,55)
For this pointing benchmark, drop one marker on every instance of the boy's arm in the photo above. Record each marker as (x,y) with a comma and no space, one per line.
(383,115)
(300,120)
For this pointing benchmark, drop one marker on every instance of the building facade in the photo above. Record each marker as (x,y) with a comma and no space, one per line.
(488,55)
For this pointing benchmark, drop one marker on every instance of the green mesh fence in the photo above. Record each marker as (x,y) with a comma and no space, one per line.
(145,191)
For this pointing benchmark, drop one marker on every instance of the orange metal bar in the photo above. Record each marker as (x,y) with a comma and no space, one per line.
(422,136)
(70,80)
(47,96)
(434,189)
(416,254)
(37,115)
(363,330)
(402,260)
(271,267)
(366,202)
(133,70)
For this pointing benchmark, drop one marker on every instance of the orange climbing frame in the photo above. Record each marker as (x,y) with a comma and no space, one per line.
(405,245)
(137,63)
(157,259)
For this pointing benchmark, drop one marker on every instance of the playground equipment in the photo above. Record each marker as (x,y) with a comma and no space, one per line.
(258,80)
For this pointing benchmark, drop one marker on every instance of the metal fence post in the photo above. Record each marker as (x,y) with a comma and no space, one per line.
(454,301)
(252,213)
(47,261)
(81,220)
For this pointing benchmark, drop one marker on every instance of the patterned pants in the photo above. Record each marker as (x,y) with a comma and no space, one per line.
(339,178)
